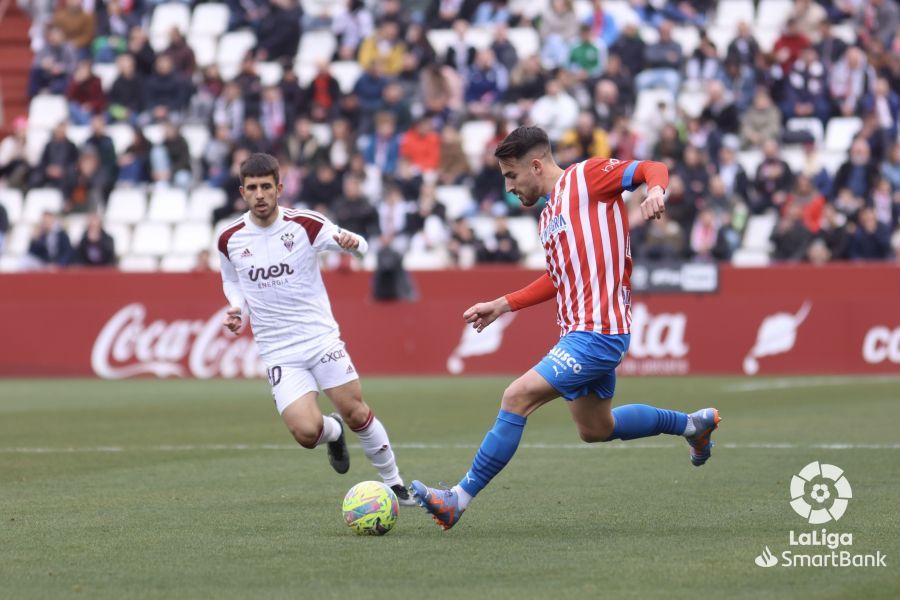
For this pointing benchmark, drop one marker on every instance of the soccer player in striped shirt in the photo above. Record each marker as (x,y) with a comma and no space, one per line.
(584,232)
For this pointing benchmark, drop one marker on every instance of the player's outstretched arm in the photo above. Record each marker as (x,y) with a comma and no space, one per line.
(232,288)
(351,242)
(656,176)
(484,313)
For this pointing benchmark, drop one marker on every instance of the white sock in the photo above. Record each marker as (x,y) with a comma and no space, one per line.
(462,495)
(377,447)
(331,430)
(690,428)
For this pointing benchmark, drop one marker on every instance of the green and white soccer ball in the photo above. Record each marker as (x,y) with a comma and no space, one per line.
(370,508)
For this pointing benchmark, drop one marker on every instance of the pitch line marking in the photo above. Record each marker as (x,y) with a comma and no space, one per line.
(423,446)
(788,383)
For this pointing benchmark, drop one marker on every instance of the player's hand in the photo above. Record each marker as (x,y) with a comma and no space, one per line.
(654,205)
(346,240)
(484,313)
(233,320)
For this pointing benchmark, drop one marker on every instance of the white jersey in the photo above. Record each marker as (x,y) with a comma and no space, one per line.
(273,274)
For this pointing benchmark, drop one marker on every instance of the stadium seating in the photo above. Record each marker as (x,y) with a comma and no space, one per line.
(46,111)
(12,200)
(456,199)
(126,205)
(121,235)
(812,125)
(151,239)
(203,201)
(210,19)
(773,14)
(232,48)
(197,136)
(166,17)
(316,47)
(138,264)
(167,205)
(191,237)
(41,200)
(122,135)
(732,12)
(107,72)
(177,263)
(840,132)
(346,72)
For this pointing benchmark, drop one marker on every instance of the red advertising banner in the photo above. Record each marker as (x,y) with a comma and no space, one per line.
(784,320)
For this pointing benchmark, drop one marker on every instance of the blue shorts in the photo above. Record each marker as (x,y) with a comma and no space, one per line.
(584,362)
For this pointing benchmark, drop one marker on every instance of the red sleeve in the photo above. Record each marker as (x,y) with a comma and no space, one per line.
(607,178)
(539,290)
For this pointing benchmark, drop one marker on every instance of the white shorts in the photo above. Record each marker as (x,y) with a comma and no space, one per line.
(291,380)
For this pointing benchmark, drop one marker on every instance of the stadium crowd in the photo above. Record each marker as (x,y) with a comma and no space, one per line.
(799,138)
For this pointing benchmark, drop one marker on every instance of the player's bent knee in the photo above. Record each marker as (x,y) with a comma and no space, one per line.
(516,398)
(356,414)
(305,436)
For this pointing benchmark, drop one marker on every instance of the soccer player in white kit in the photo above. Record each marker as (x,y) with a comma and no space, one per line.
(270,272)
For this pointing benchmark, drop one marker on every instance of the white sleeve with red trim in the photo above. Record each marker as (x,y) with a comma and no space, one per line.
(231,285)
(325,241)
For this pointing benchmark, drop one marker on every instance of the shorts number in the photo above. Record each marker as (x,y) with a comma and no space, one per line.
(274,375)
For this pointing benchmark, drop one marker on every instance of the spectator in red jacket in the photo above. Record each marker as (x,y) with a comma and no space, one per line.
(421,146)
(85,94)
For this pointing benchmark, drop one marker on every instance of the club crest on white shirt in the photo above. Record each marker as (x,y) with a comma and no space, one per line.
(288,239)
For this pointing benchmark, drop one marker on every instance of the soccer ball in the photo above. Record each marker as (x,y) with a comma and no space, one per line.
(370,508)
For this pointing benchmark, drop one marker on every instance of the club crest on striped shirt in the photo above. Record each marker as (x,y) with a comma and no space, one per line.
(288,239)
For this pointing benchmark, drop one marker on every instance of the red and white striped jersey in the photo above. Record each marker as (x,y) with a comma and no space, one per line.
(584,231)
(273,273)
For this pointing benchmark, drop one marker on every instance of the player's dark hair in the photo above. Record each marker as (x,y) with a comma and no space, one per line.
(259,165)
(521,141)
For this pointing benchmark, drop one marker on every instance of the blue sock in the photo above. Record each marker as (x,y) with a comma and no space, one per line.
(639,420)
(495,451)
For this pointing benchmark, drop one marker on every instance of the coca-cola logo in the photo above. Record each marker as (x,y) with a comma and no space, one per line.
(270,272)
(881,344)
(657,343)
(128,346)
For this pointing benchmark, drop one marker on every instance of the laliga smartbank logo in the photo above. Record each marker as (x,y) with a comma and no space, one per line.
(820,493)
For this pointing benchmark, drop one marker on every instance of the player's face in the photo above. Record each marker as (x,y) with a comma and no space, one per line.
(522,178)
(261,195)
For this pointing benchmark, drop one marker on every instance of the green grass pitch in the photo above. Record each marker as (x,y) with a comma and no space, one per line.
(175,489)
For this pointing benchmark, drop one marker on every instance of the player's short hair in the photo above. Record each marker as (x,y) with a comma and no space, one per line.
(521,141)
(259,165)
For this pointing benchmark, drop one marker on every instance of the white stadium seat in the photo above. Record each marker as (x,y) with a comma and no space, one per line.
(346,72)
(78,134)
(692,102)
(721,37)
(191,237)
(154,133)
(10,264)
(810,124)
(107,72)
(440,40)
(122,135)
(12,201)
(525,231)
(197,137)
(46,111)
(169,15)
(18,239)
(687,37)
(316,46)
(210,19)
(167,205)
(456,199)
(121,235)
(35,141)
(204,47)
(528,8)
(75,225)
(731,12)
(233,46)
(269,73)
(758,232)
(41,200)
(766,37)
(152,239)
(832,160)
(750,161)
(306,72)
(482,226)
(647,106)
(126,205)
(480,37)
(475,136)
(840,132)
(137,263)
(203,201)
(750,258)
(622,12)
(794,156)
(425,260)
(322,133)
(649,34)
(773,14)
(178,263)
(525,40)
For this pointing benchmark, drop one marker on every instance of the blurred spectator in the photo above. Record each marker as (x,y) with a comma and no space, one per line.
(4,225)
(789,46)
(890,168)
(704,65)
(58,161)
(849,81)
(351,27)
(251,86)
(669,148)
(254,138)
(278,31)
(740,81)
(454,164)
(884,103)
(96,248)
(84,93)
(734,179)
(728,238)
(489,188)
(630,49)
(50,246)
(871,240)
(164,88)
(321,188)
(587,58)
(386,46)
(370,86)
(662,239)
(720,110)
(555,112)
(773,180)
(463,246)
(181,54)
(245,13)
(14,167)
(216,155)
(52,65)
(76,23)
(382,147)
(295,99)
(392,213)
(139,48)
(790,237)
(743,49)
(419,52)
(202,265)
(558,29)
(323,92)
(806,90)
(421,146)
(810,201)
(487,82)
(228,110)
(608,102)
(662,63)
(817,252)
(829,48)
(879,18)
(353,211)
(103,146)
(134,164)
(126,96)
(833,232)
(170,161)
(858,174)
(527,82)
(503,49)
(809,16)
(603,26)
(88,193)
(587,140)
(394,103)
(761,122)
(301,147)
(491,13)
(503,248)
(342,145)
(113,28)
(460,54)
(272,113)
(704,235)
